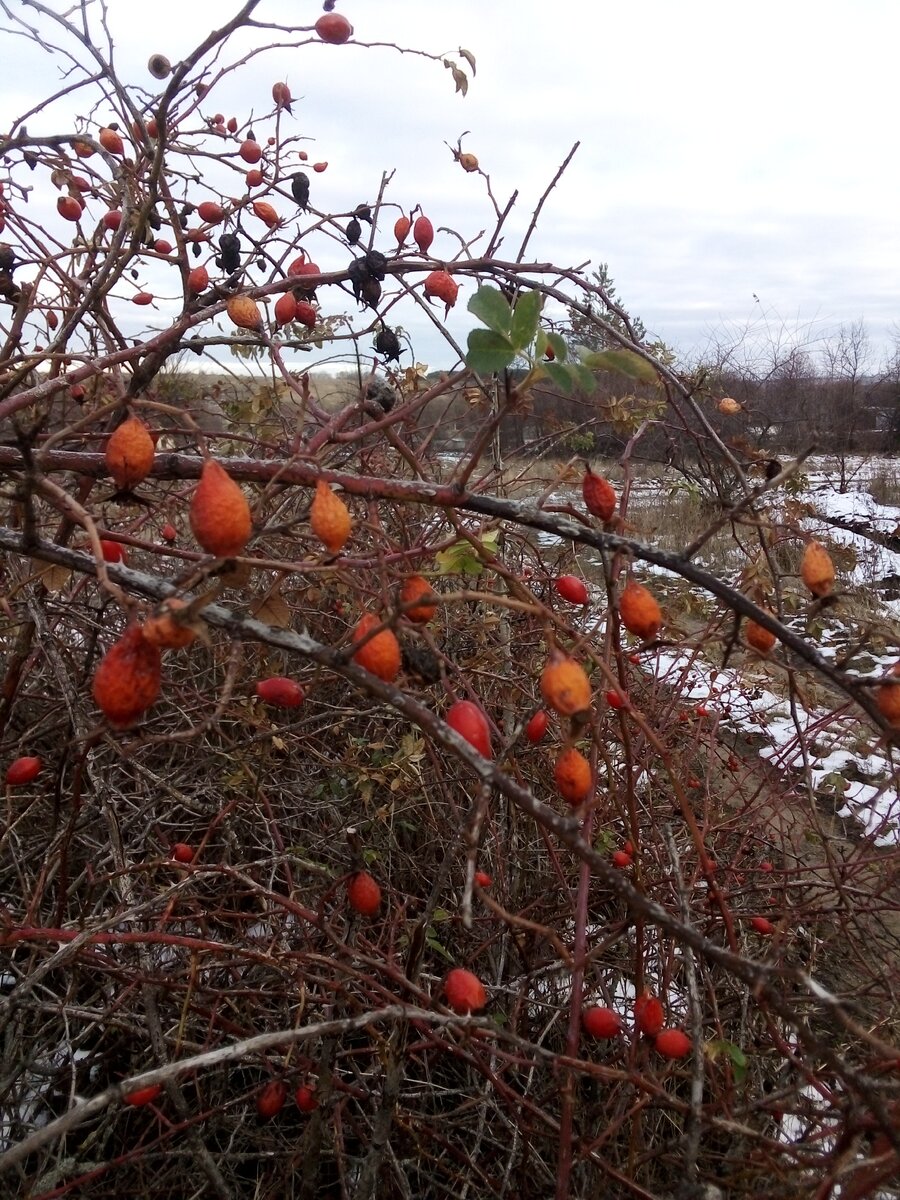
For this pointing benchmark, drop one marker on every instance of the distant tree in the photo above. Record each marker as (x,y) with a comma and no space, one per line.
(845,359)
(890,391)
(582,325)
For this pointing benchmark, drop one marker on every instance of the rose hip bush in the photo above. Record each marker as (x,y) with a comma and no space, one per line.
(285,685)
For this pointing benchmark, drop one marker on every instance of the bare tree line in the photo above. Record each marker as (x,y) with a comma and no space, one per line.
(834,392)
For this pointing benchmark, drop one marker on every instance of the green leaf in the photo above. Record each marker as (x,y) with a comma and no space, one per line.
(462,557)
(582,377)
(435,945)
(488,352)
(560,348)
(734,1053)
(626,362)
(458,559)
(525,319)
(561,375)
(605,841)
(491,307)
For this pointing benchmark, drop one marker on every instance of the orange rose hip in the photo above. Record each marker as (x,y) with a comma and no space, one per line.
(129,453)
(598,495)
(127,681)
(416,592)
(760,638)
(165,630)
(817,569)
(381,654)
(244,312)
(565,686)
(639,610)
(573,776)
(887,699)
(219,512)
(329,518)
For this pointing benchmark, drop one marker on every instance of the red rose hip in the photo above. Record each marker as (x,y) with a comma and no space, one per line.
(601,1022)
(464,991)
(23,770)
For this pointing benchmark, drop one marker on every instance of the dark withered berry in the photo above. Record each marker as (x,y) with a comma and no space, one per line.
(388,344)
(359,274)
(382,392)
(300,189)
(230,251)
(376,264)
(420,661)
(371,292)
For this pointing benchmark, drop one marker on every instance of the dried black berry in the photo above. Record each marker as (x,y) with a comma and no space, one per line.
(388,344)
(9,290)
(300,189)
(364,275)
(420,661)
(376,264)
(382,393)
(363,212)
(196,249)
(371,292)
(359,276)
(230,250)
(354,229)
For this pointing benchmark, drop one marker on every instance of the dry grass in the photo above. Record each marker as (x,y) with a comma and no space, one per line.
(255,936)
(884,482)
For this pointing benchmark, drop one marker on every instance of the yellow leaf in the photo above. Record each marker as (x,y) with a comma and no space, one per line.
(272,610)
(55,578)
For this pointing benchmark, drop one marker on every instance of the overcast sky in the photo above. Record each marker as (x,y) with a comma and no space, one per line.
(728,150)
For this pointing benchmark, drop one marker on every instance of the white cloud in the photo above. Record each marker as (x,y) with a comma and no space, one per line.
(725,150)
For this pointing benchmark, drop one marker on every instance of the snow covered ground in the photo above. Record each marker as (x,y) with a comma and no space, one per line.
(843,752)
